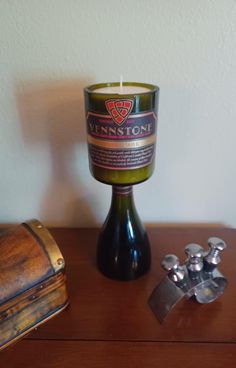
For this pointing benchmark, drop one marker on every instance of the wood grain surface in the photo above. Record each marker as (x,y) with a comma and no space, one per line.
(30,291)
(103,309)
(109,323)
(20,251)
(100,354)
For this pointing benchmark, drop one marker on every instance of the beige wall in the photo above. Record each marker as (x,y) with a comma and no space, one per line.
(51,49)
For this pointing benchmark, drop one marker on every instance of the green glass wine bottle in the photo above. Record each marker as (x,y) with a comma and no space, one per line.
(121,127)
(123,251)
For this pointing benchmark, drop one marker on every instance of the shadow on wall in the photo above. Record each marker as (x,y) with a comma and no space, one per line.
(52,116)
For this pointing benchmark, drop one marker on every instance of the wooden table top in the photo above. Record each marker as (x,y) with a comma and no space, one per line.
(109,323)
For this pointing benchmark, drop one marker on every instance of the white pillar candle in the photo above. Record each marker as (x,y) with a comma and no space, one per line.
(122,90)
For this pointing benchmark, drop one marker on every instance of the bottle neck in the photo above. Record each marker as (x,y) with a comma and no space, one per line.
(122,199)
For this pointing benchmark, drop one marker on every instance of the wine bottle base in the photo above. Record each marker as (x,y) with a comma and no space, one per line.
(122,276)
(123,249)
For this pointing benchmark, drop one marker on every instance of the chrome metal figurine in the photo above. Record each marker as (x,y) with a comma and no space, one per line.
(198,278)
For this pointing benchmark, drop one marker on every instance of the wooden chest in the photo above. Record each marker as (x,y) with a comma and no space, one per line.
(32,280)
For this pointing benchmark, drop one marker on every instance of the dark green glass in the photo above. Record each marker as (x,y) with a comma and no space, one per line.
(121,140)
(123,251)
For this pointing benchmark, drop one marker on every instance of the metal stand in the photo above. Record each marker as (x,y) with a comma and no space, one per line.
(198,278)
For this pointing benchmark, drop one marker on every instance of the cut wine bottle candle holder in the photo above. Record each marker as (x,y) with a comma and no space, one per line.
(122,127)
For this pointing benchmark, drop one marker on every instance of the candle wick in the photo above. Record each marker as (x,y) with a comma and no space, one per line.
(121,83)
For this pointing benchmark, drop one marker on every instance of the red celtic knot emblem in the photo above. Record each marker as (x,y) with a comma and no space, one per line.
(119,109)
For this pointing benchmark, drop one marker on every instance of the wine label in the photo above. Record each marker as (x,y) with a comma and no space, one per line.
(120,140)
